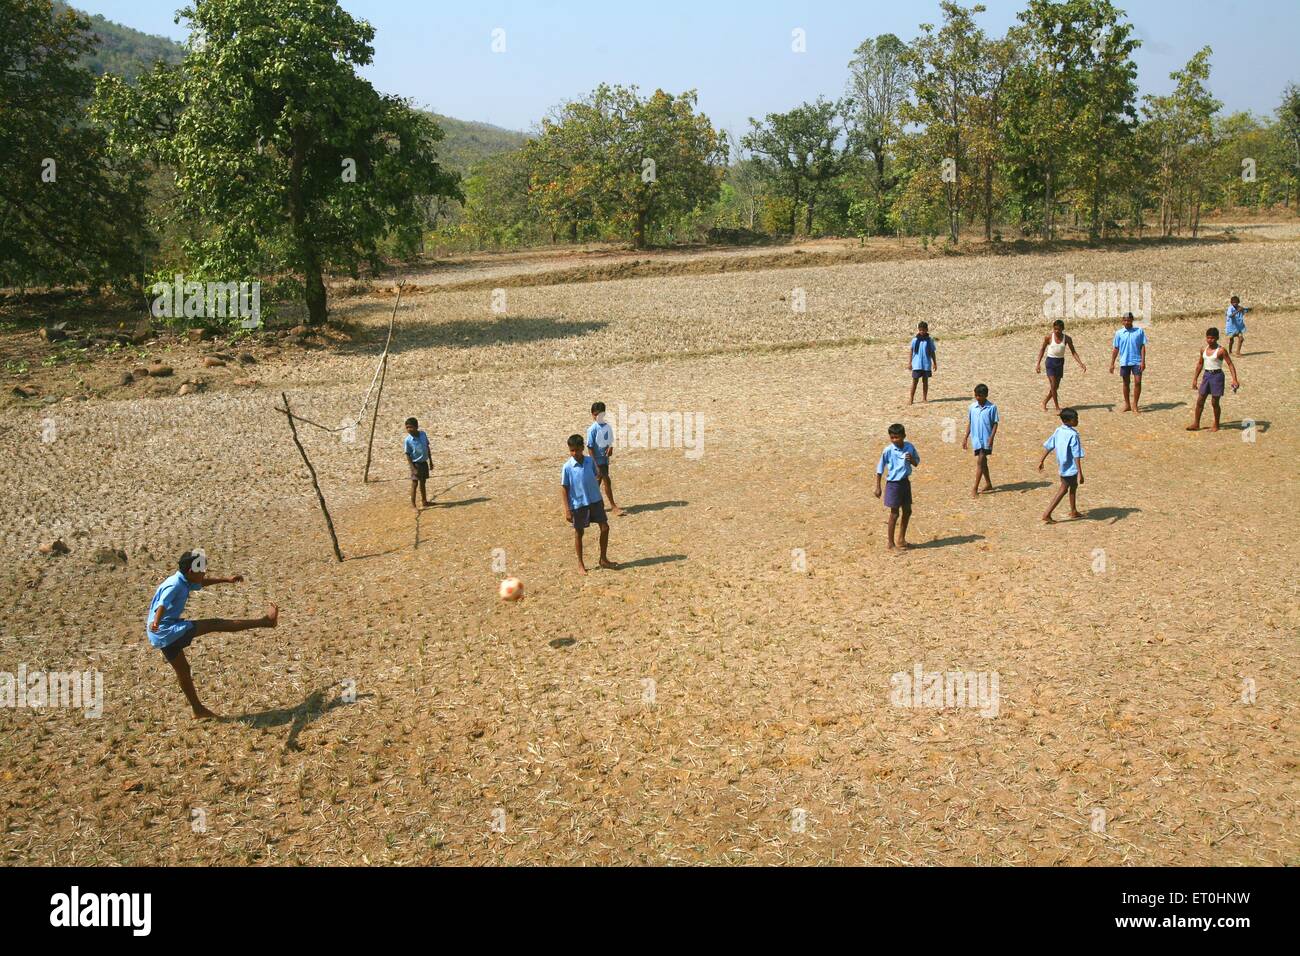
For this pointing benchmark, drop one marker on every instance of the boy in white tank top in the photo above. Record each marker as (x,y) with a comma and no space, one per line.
(1211,363)
(1054,347)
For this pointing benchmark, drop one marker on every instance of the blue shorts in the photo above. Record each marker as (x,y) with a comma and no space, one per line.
(1135,370)
(920,373)
(172,649)
(898,494)
(591,514)
(983,451)
(1056,367)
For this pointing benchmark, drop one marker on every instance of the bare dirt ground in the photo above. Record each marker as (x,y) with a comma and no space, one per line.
(401,713)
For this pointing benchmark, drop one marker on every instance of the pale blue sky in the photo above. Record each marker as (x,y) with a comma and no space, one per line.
(737,53)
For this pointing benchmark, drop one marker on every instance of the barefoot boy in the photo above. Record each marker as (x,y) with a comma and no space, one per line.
(924,362)
(1054,346)
(1069,456)
(1234,325)
(418,455)
(580,492)
(1211,362)
(1130,347)
(600,441)
(171,633)
(981,428)
(896,463)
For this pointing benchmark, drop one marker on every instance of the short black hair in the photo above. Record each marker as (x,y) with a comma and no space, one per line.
(923,326)
(1234,299)
(897,429)
(185,561)
(1058,324)
(1212,333)
(412,421)
(575,441)
(1069,416)
(982,390)
(597,407)
(1128,315)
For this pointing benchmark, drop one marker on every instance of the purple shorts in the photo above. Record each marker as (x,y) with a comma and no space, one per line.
(920,373)
(898,494)
(1212,383)
(591,514)
(1126,370)
(1056,367)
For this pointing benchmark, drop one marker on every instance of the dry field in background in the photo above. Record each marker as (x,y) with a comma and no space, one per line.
(1120,691)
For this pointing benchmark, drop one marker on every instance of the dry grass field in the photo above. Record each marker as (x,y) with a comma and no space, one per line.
(725,696)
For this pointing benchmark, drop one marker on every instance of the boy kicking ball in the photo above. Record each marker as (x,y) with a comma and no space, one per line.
(580,492)
(171,633)
(1069,457)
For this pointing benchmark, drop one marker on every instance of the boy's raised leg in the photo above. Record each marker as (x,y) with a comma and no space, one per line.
(223,626)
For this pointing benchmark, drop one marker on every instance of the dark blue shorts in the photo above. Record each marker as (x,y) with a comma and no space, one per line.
(1056,367)
(1212,383)
(1135,370)
(920,373)
(591,514)
(983,451)
(898,494)
(173,650)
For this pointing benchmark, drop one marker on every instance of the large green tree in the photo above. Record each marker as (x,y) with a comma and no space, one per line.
(70,212)
(285,158)
(801,153)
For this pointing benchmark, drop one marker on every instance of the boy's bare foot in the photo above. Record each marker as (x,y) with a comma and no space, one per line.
(903,546)
(1048,519)
(204,714)
(1214,428)
(608,564)
(272,615)
(1076,514)
(1193,428)
(1126,409)
(890,546)
(1136,410)
(975,493)
(582,569)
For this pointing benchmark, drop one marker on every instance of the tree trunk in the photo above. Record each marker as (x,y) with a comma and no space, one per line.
(808,216)
(988,200)
(638,234)
(313,278)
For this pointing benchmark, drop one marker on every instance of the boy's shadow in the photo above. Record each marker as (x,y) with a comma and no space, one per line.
(656,506)
(1021,486)
(312,708)
(458,504)
(1162,406)
(1109,406)
(959,398)
(1110,514)
(647,562)
(1261,425)
(946,542)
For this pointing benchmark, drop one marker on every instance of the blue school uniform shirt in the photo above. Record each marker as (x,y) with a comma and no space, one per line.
(893,462)
(581,483)
(172,595)
(922,354)
(1069,449)
(982,419)
(417,447)
(599,437)
(1235,320)
(1130,342)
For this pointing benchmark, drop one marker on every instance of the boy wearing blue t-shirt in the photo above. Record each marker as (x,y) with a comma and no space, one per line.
(600,442)
(580,492)
(895,466)
(1130,347)
(418,456)
(1234,325)
(981,428)
(1069,458)
(171,633)
(924,361)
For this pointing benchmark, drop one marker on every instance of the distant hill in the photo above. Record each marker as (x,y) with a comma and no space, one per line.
(128,53)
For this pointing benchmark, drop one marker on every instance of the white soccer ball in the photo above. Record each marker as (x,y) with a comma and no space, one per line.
(512,589)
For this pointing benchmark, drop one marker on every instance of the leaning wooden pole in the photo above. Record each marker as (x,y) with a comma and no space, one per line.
(288,413)
(383,373)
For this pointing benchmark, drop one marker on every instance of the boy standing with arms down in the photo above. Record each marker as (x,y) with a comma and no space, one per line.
(1130,347)
(600,442)
(1069,457)
(1211,362)
(896,463)
(924,362)
(580,492)
(171,634)
(981,428)
(416,448)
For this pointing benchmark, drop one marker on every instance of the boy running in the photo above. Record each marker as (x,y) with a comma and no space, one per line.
(1211,363)
(924,362)
(171,634)
(1069,458)
(981,428)
(1130,347)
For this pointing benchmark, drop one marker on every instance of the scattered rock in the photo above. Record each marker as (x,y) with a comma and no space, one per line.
(292,340)
(53,333)
(25,391)
(213,362)
(143,333)
(139,373)
(199,334)
(246,358)
(159,371)
(127,378)
(79,343)
(111,556)
(188,389)
(247,382)
(53,547)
